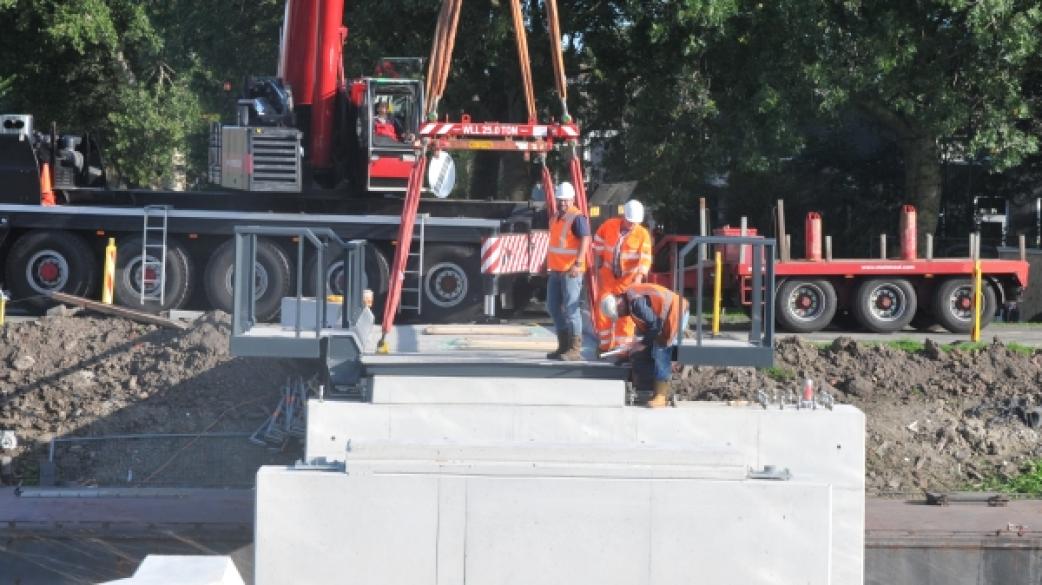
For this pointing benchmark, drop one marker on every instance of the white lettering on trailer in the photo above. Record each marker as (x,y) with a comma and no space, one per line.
(887,267)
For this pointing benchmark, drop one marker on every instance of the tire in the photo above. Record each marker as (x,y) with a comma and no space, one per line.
(805,306)
(451,286)
(41,262)
(273,278)
(179,277)
(953,305)
(885,305)
(376,277)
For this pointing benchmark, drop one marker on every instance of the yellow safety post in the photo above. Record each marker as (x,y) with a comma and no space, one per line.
(3,306)
(978,293)
(718,280)
(109,278)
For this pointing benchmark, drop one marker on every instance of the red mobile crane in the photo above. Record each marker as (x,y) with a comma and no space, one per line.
(302,152)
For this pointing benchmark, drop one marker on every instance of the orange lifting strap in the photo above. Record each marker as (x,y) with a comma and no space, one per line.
(530,137)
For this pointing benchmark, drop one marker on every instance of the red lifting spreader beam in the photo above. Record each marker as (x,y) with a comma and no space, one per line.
(531,137)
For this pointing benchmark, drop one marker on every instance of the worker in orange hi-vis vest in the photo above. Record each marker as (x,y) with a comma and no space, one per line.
(661,318)
(565,265)
(622,252)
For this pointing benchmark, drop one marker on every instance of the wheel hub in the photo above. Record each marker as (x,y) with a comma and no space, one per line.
(446,284)
(49,271)
(46,271)
(887,302)
(806,302)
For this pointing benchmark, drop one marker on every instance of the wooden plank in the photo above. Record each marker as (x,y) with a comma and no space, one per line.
(506,344)
(116,311)
(517,330)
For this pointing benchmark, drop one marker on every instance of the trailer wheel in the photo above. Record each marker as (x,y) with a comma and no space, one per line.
(272,278)
(451,285)
(178,284)
(42,262)
(885,305)
(953,305)
(805,306)
(376,277)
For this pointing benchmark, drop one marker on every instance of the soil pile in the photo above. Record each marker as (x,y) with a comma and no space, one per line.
(937,418)
(91,376)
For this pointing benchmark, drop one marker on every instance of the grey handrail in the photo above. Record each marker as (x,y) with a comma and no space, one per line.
(761,330)
(323,241)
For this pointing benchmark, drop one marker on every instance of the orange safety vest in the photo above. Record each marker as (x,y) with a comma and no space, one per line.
(665,303)
(384,128)
(625,256)
(563,249)
(622,258)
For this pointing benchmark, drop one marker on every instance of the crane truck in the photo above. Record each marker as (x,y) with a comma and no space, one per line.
(301,152)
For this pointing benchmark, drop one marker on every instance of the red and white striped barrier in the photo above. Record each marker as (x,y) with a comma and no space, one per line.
(515,253)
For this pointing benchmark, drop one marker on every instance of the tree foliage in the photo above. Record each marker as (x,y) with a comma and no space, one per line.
(689,96)
(141,74)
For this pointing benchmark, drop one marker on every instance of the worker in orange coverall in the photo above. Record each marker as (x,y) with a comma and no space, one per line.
(622,253)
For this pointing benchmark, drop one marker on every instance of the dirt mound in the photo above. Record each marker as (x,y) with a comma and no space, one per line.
(73,375)
(937,418)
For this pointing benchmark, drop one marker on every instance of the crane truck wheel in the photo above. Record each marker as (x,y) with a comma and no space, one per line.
(451,286)
(272,280)
(178,280)
(953,305)
(885,305)
(805,306)
(41,262)
(376,277)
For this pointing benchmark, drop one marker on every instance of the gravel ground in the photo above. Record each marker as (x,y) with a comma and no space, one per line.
(63,376)
(936,418)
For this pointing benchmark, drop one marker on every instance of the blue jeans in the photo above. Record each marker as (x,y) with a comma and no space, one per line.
(562,301)
(652,364)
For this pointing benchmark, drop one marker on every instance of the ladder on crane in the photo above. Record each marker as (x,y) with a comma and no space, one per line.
(412,275)
(532,138)
(152,276)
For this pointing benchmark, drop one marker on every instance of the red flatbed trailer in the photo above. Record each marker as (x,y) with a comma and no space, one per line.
(884,295)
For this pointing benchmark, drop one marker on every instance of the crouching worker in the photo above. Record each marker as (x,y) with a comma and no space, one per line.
(660,316)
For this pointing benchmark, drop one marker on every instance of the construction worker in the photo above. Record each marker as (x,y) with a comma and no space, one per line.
(622,253)
(565,265)
(386,129)
(660,316)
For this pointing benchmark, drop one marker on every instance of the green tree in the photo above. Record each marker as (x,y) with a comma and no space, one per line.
(942,77)
(648,96)
(141,74)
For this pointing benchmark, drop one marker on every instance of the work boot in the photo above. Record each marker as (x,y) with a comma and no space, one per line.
(562,342)
(575,348)
(661,397)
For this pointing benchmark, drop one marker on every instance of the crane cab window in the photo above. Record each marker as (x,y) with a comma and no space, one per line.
(394,112)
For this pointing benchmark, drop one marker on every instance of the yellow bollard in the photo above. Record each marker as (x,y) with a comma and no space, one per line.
(109,278)
(718,279)
(978,293)
(3,306)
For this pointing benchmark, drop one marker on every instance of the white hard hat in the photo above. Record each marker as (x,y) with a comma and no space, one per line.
(633,211)
(610,307)
(564,191)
